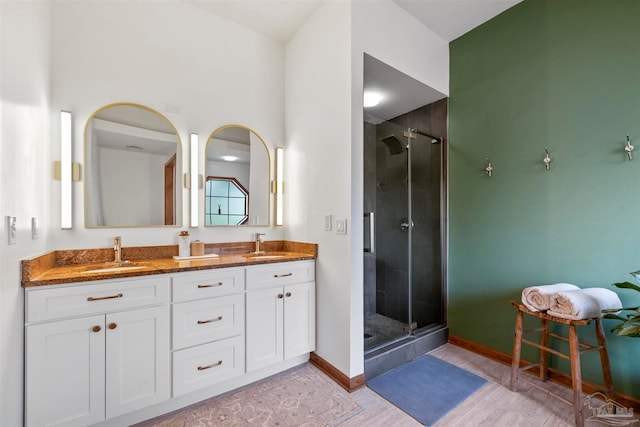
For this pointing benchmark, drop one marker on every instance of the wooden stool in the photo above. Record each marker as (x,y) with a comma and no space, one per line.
(574,355)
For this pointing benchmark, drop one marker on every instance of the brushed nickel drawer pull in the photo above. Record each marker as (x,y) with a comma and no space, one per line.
(96,328)
(282,275)
(215,285)
(288,294)
(202,322)
(213,365)
(101,298)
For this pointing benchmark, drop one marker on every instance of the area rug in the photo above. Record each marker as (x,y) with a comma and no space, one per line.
(299,397)
(426,388)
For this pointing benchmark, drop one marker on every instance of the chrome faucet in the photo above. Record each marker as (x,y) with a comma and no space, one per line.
(258,241)
(117,248)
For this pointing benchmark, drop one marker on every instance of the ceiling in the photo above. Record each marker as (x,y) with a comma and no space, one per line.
(281,19)
(399,92)
(449,19)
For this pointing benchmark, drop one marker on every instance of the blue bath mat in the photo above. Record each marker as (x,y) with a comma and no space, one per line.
(426,388)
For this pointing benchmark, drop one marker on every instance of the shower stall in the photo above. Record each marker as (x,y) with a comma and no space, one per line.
(404,236)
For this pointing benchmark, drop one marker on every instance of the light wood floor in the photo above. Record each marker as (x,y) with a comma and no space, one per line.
(493,405)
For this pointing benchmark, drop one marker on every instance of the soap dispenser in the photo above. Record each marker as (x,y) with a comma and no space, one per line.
(184,244)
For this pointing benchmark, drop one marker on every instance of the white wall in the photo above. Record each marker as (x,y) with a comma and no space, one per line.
(324,167)
(318,166)
(197,69)
(25,175)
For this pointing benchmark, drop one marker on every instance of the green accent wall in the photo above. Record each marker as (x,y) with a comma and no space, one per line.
(562,74)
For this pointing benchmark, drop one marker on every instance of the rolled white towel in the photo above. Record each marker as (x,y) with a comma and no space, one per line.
(537,298)
(583,303)
(607,299)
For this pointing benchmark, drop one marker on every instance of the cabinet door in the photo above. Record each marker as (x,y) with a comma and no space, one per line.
(65,372)
(264,328)
(299,319)
(137,361)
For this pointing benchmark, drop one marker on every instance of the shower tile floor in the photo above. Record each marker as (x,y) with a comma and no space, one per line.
(379,329)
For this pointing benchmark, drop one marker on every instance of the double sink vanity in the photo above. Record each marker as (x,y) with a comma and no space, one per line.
(117,343)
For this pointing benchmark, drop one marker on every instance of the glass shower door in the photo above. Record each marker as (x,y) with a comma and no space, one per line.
(387,233)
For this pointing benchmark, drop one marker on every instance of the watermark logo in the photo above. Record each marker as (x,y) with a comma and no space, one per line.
(607,411)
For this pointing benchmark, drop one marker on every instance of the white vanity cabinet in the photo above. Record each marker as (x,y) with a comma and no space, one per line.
(116,352)
(95,351)
(280,305)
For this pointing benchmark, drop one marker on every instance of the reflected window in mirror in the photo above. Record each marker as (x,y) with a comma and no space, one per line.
(240,156)
(133,159)
(227,202)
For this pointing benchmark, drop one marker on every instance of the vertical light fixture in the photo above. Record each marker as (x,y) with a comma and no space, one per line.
(193,167)
(66,218)
(279,183)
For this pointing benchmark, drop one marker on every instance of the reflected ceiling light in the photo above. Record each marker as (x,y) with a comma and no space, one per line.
(371,99)
(229,158)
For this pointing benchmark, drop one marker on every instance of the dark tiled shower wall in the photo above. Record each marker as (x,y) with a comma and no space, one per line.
(386,290)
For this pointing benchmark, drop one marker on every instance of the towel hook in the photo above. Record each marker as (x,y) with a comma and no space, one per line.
(628,148)
(488,169)
(547,159)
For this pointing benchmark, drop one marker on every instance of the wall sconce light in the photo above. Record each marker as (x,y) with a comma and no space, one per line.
(279,184)
(628,148)
(488,170)
(547,159)
(193,178)
(65,170)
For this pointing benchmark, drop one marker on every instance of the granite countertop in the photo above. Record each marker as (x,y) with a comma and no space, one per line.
(72,266)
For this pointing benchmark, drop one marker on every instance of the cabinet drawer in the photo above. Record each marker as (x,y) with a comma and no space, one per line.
(198,322)
(207,364)
(279,274)
(207,284)
(59,302)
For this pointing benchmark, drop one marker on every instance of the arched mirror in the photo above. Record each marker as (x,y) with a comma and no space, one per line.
(133,165)
(237,174)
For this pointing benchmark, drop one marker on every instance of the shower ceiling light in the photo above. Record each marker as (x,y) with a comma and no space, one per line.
(229,158)
(371,99)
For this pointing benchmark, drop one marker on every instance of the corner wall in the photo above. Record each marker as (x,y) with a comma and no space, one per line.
(562,75)
(324,151)
(25,174)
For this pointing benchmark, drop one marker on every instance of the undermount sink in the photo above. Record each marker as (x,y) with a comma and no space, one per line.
(113,267)
(264,256)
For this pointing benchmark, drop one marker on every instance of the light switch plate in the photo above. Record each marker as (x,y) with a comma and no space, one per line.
(11,229)
(328,222)
(341,226)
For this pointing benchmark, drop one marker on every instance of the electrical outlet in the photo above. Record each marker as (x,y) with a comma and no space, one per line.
(328,222)
(34,228)
(11,229)
(341,226)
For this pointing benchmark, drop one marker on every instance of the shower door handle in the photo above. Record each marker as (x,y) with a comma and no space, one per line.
(372,232)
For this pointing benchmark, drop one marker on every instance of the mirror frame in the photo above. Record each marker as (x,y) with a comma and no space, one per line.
(205,174)
(179,177)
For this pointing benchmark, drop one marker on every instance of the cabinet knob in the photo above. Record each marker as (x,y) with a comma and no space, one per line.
(96,328)
(112,325)
(288,294)
(280,295)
